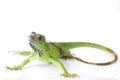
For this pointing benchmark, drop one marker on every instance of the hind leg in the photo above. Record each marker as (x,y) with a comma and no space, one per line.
(65,54)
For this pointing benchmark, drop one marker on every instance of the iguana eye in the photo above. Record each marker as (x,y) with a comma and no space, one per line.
(39,37)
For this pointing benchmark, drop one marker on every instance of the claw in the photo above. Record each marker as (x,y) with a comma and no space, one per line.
(70,75)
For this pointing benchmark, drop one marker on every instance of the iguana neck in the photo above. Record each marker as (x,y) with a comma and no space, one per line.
(40,48)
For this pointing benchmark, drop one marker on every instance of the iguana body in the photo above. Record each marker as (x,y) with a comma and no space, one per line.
(51,51)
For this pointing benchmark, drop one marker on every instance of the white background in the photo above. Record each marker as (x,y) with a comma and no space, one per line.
(95,21)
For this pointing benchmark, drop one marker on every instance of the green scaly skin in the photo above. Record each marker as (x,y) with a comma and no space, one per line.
(51,51)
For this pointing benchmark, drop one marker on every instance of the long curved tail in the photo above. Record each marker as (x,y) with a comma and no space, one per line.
(106,63)
(70,45)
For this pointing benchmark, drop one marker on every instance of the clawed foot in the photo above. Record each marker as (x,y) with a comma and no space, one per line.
(70,75)
(13,68)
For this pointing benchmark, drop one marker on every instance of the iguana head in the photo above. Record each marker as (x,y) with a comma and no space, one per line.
(36,40)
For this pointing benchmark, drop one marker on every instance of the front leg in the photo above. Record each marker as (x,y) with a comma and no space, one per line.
(26,61)
(65,72)
(23,52)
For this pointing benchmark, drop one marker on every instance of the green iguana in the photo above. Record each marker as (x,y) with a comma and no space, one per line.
(51,51)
